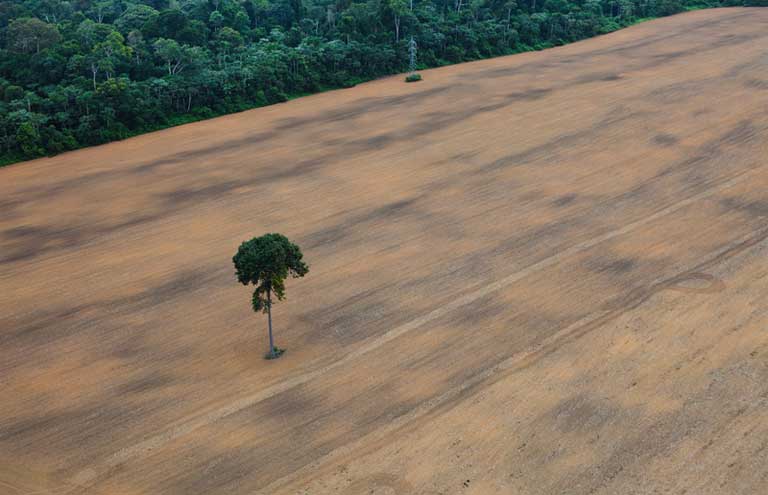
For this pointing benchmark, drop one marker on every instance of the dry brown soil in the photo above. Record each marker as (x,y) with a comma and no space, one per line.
(539,274)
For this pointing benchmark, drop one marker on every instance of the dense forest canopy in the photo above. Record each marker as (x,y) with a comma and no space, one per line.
(82,72)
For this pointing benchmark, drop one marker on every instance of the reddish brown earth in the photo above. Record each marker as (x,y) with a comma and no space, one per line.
(539,274)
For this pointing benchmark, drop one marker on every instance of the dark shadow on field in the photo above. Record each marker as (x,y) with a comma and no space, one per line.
(147,383)
(353,318)
(361,107)
(664,140)
(584,414)
(68,428)
(31,241)
(565,200)
(616,267)
(43,328)
(344,114)
(362,222)
(551,150)
(754,208)
(221,467)
(652,435)
(756,84)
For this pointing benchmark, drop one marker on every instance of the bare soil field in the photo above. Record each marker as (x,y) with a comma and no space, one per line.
(538,274)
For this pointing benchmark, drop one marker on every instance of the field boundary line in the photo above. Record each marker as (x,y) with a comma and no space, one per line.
(88,476)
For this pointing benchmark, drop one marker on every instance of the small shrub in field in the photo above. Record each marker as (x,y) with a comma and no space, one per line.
(413,78)
(276,353)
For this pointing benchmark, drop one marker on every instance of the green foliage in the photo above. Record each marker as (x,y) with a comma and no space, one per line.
(413,77)
(136,17)
(13,92)
(30,35)
(266,262)
(275,353)
(87,72)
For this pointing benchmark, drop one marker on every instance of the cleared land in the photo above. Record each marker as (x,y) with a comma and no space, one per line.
(539,274)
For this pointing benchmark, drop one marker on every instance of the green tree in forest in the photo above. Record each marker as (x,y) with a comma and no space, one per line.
(135,17)
(399,8)
(171,53)
(111,53)
(266,262)
(30,35)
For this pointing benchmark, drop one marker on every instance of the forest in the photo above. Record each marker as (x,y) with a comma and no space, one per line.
(84,72)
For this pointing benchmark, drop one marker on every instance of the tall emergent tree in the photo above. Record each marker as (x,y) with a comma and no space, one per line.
(266,262)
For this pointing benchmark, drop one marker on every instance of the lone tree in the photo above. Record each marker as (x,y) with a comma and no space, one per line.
(266,262)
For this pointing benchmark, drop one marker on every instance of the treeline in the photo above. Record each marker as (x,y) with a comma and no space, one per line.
(83,72)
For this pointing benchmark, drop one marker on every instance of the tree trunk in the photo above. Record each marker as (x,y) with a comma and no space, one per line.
(269,318)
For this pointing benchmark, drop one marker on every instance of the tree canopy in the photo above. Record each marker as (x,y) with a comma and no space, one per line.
(81,72)
(266,262)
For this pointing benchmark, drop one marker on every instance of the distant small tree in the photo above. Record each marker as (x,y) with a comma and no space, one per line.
(266,262)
